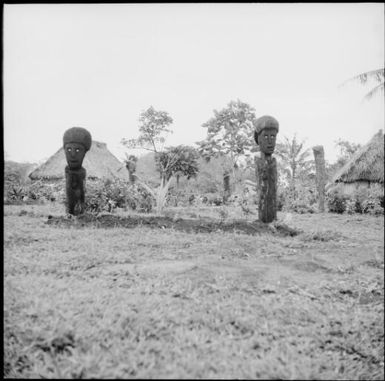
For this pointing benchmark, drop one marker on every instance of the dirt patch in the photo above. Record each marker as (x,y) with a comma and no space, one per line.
(163,222)
(310,266)
(158,267)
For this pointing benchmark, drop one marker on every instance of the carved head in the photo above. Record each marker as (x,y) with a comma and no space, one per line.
(76,142)
(265,134)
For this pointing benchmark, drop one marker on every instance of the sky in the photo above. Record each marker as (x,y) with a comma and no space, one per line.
(98,66)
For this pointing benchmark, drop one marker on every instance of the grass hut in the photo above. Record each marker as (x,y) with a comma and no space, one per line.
(365,168)
(99,163)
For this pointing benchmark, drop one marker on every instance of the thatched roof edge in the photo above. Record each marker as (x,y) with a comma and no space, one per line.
(99,163)
(367,164)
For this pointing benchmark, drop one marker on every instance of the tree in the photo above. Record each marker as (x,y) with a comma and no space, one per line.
(153,131)
(170,161)
(346,151)
(376,76)
(179,161)
(230,135)
(294,162)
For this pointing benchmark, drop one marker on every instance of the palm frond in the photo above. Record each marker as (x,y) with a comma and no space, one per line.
(378,75)
(371,93)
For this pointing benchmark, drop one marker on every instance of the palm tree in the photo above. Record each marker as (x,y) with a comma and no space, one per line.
(374,75)
(294,161)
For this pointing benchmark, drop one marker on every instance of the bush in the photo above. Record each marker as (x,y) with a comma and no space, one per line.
(110,194)
(350,206)
(37,191)
(40,191)
(374,202)
(301,201)
(280,200)
(139,199)
(362,200)
(336,201)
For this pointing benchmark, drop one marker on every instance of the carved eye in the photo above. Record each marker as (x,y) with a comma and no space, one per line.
(77,149)
(69,149)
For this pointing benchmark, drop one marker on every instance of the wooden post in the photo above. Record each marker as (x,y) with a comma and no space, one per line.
(266,130)
(266,173)
(320,170)
(75,186)
(226,186)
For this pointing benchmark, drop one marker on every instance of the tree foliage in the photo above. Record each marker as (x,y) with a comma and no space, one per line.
(180,161)
(230,136)
(294,159)
(153,130)
(346,151)
(230,133)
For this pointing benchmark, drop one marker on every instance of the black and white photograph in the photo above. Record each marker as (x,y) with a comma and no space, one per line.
(193,191)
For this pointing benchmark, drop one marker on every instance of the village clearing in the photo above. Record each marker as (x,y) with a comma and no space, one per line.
(94,302)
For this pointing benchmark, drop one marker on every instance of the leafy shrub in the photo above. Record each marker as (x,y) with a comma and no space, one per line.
(374,203)
(41,191)
(139,199)
(350,206)
(336,201)
(215,200)
(14,193)
(109,194)
(180,197)
(362,200)
(37,191)
(301,201)
(280,200)
(372,206)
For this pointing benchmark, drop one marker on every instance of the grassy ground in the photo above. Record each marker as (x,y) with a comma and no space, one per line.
(160,303)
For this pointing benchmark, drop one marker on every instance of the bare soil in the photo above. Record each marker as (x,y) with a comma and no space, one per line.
(190,225)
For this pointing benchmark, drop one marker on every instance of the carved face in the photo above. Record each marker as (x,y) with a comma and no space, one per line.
(75,153)
(266,140)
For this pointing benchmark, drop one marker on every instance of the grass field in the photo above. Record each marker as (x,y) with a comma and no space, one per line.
(159,303)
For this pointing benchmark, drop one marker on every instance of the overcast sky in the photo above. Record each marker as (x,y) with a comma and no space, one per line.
(99,65)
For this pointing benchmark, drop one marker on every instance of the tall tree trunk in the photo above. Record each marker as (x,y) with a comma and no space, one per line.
(162,194)
(132,177)
(320,171)
(293,181)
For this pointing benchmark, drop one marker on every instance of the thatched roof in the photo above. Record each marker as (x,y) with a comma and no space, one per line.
(99,163)
(367,164)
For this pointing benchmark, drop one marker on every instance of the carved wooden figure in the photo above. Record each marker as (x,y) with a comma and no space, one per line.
(266,129)
(76,142)
(131,168)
